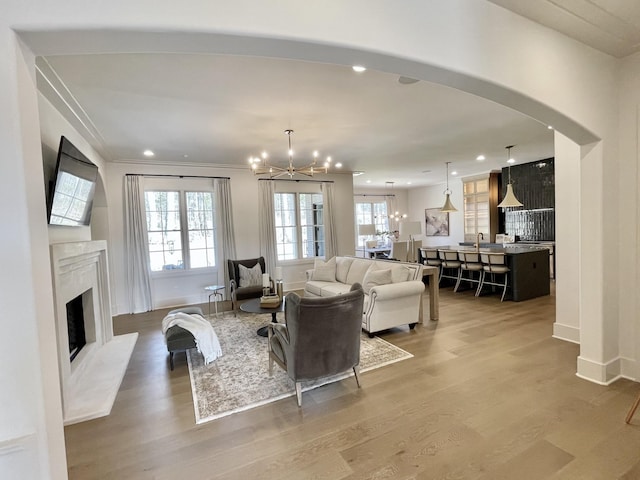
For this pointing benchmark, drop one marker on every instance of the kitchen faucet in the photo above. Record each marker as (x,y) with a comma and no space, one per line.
(479,236)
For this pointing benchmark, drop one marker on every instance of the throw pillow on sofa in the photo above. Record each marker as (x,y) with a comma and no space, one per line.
(250,277)
(373,278)
(324,271)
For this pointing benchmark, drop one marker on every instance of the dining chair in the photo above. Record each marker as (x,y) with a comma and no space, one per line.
(398,251)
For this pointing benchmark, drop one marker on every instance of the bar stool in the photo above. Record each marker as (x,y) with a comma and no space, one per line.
(494,264)
(431,258)
(449,261)
(469,262)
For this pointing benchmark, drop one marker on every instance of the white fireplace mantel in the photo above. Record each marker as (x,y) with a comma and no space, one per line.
(91,381)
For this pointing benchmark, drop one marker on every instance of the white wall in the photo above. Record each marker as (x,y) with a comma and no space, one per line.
(52,126)
(31,432)
(567,193)
(180,288)
(628,206)
(173,288)
(433,197)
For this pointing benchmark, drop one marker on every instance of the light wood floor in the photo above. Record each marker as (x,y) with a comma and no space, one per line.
(488,395)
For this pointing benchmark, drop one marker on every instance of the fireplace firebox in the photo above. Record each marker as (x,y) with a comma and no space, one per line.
(75,326)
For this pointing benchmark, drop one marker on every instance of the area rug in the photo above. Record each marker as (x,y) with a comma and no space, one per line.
(239,380)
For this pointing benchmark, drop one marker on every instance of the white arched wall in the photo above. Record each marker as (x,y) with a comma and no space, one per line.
(471,45)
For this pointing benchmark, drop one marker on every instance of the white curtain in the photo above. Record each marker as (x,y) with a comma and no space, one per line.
(222,188)
(267,224)
(330,237)
(136,244)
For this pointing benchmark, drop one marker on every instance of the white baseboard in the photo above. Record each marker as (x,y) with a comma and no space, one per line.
(566,333)
(600,373)
(630,369)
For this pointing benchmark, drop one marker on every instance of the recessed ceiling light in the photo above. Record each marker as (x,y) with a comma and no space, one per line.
(357,173)
(148,153)
(511,160)
(550,127)
(368,181)
(185,156)
(358,68)
(480,157)
(339,165)
(454,173)
(408,183)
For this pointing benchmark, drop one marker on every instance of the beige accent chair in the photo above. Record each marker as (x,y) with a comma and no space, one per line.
(320,337)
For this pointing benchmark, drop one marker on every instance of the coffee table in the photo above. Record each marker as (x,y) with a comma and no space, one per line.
(253,306)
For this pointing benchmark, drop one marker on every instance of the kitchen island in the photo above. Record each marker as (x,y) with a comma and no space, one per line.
(529,269)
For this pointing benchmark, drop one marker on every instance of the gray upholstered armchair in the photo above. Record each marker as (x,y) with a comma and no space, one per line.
(320,337)
(237,291)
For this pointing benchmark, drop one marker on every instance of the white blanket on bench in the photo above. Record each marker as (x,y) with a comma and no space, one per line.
(202,331)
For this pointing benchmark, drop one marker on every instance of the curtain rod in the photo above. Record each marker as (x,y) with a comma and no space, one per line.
(374,195)
(174,176)
(291,180)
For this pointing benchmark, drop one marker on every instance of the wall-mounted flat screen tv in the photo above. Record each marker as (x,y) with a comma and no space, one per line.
(73,187)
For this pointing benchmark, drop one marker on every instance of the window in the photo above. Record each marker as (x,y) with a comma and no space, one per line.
(181,229)
(372,213)
(476,208)
(299,225)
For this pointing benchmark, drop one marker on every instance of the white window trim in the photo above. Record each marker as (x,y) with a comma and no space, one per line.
(298,226)
(182,186)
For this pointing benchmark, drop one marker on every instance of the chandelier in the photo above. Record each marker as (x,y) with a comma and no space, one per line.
(260,166)
(395,215)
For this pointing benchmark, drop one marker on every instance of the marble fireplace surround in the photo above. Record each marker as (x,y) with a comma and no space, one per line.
(91,381)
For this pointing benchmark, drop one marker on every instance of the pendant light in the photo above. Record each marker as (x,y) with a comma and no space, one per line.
(510,199)
(448,206)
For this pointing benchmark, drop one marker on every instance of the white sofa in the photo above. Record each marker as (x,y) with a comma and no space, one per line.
(393,290)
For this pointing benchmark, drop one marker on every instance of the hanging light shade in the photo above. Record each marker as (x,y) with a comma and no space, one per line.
(510,199)
(448,206)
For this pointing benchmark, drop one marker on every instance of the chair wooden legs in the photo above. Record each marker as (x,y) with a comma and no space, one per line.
(299,393)
(633,410)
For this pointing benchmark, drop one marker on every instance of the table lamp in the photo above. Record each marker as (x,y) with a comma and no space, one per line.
(366,229)
(411,229)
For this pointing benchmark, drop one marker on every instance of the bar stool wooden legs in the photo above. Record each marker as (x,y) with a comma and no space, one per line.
(633,410)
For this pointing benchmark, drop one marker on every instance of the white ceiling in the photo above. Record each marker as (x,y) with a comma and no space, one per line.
(219,110)
(611,26)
